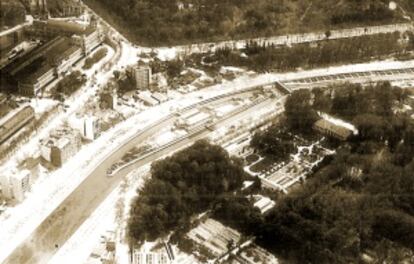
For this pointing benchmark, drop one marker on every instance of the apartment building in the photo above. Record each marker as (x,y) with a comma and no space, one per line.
(61,145)
(141,76)
(15,185)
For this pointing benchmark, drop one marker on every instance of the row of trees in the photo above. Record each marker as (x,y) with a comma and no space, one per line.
(275,142)
(71,83)
(96,57)
(269,57)
(181,186)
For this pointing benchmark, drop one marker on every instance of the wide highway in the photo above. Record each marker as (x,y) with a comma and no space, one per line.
(57,228)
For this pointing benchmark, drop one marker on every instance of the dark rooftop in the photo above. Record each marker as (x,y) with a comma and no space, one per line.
(45,62)
(37,52)
(32,78)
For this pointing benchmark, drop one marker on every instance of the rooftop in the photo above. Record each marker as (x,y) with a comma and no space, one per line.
(60,137)
(159,96)
(336,129)
(44,63)
(62,143)
(64,26)
(31,77)
(147,98)
(14,67)
(263,203)
(57,51)
(12,114)
(339,122)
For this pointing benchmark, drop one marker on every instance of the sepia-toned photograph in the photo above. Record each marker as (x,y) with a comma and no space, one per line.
(206,132)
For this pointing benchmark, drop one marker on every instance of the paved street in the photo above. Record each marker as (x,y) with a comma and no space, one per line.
(80,204)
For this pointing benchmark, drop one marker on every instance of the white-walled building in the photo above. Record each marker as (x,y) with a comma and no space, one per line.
(15,185)
(263,203)
(88,126)
(61,145)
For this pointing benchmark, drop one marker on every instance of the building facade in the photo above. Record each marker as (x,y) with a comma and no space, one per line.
(32,85)
(68,59)
(88,40)
(16,185)
(141,76)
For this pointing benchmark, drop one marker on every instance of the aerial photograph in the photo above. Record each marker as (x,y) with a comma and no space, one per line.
(206,132)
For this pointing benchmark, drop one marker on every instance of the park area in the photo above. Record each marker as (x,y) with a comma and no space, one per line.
(282,174)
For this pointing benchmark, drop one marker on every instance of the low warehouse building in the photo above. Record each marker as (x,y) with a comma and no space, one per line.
(330,129)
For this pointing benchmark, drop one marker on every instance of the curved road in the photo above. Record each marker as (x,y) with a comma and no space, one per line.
(354,77)
(80,204)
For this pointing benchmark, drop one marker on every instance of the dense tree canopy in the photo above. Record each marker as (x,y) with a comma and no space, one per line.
(182,185)
(274,142)
(299,112)
(337,215)
(164,22)
(71,83)
(362,200)
(11,13)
